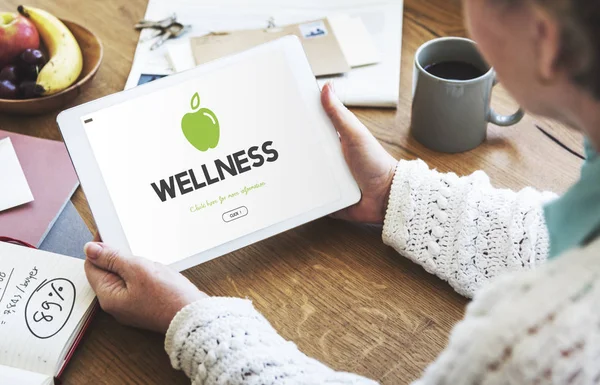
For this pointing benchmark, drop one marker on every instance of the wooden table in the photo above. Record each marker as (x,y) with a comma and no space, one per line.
(331,287)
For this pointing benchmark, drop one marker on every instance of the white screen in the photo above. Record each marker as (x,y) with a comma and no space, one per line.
(141,141)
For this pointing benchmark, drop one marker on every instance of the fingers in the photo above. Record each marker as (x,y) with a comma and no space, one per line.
(105,258)
(345,122)
(102,282)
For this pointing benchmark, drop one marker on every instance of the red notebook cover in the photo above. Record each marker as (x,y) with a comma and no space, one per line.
(52,180)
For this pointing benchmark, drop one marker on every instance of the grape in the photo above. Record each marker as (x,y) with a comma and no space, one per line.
(8,90)
(9,73)
(32,57)
(28,72)
(28,89)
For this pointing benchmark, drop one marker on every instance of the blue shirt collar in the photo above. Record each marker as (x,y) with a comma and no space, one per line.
(574,219)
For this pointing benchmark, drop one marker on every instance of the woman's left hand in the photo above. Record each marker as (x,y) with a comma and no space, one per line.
(136,291)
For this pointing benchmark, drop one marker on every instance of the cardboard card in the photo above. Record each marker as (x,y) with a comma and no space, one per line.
(318,39)
(14,189)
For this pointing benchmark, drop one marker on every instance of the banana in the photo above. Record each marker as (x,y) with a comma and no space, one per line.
(65,59)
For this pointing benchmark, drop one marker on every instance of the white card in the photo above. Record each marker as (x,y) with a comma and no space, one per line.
(14,190)
(355,40)
(180,56)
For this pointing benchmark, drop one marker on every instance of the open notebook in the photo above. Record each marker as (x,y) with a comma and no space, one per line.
(45,305)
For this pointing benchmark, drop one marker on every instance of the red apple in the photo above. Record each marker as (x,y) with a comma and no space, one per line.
(17,34)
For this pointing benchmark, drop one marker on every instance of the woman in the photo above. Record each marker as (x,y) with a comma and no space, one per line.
(536,326)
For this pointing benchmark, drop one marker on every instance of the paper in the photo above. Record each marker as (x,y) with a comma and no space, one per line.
(356,42)
(320,44)
(43,299)
(180,56)
(9,375)
(374,85)
(14,189)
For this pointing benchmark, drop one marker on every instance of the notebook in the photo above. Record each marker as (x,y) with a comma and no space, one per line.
(68,235)
(52,180)
(46,304)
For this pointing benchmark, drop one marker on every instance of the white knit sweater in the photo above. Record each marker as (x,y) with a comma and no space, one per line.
(540,326)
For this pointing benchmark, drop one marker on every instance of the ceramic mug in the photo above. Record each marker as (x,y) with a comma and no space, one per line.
(452,115)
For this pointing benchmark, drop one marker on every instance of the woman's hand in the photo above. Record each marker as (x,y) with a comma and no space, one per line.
(136,291)
(371,165)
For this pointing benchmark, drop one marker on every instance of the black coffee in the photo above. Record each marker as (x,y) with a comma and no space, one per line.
(454,70)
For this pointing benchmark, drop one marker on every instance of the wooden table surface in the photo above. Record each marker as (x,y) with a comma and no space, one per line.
(331,287)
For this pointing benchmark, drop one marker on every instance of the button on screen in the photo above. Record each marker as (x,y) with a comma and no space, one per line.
(234,214)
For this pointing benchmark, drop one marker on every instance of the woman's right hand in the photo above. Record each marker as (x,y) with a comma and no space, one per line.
(371,165)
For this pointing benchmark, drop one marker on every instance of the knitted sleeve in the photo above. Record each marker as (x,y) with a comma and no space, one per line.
(226,341)
(461,228)
(530,327)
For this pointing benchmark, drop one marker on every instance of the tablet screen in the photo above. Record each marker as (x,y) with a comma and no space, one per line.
(211,159)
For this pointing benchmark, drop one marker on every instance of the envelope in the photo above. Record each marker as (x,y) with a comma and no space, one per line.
(14,189)
(318,38)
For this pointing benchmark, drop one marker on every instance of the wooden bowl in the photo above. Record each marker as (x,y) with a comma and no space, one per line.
(91,49)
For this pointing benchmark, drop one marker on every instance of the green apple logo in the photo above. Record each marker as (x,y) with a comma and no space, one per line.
(201,128)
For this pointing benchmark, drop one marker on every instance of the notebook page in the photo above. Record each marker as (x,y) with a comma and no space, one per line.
(43,297)
(10,375)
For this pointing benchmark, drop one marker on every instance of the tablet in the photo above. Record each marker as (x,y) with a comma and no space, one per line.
(201,163)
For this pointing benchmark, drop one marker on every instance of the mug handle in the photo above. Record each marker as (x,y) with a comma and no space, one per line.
(504,120)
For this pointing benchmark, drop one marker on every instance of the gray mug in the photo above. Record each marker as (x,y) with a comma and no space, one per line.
(452,115)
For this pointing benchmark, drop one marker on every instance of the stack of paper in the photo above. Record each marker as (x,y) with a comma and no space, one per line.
(372,85)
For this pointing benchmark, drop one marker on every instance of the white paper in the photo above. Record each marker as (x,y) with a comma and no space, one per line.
(9,375)
(355,40)
(14,189)
(180,56)
(375,85)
